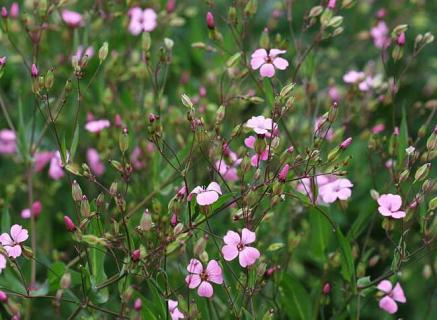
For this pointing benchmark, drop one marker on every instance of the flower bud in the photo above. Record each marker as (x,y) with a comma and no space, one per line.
(4,12)
(400,40)
(326,288)
(178,229)
(174,219)
(34,71)
(136,255)
(346,143)
(85,209)
(331,4)
(65,281)
(123,140)
(103,52)
(170,6)
(422,172)
(283,173)
(210,20)
(49,79)
(69,224)
(137,305)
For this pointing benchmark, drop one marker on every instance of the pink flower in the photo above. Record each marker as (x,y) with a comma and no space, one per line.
(142,20)
(96,126)
(3,296)
(400,40)
(72,19)
(35,210)
(389,205)
(210,20)
(379,34)
(137,158)
(206,196)
(42,159)
(334,93)
(282,176)
(138,304)
(69,224)
(236,246)
(378,128)
(268,61)
(331,4)
(2,265)
(257,158)
(305,186)
(15,10)
(80,53)
(388,302)
(346,143)
(8,142)
(93,159)
(229,173)
(175,314)
(338,189)
(11,242)
(55,170)
(354,76)
(261,125)
(3,61)
(201,278)
(322,130)
(34,70)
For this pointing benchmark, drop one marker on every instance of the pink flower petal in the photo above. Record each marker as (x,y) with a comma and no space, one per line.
(388,304)
(247,236)
(2,262)
(248,256)
(205,290)
(232,238)
(18,234)
(230,252)
(398,293)
(344,194)
(398,214)
(384,211)
(274,52)
(5,239)
(385,286)
(206,198)
(280,63)
(259,53)
(195,266)
(192,280)
(214,186)
(267,70)
(257,62)
(214,271)
(250,142)
(14,251)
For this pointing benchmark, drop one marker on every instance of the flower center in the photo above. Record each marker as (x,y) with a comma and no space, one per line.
(240,247)
(204,276)
(268,59)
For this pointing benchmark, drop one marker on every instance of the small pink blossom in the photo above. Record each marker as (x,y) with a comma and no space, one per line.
(35,211)
(72,19)
(174,311)
(237,246)
(378,128)
(14,10)
(3,60)
(142,20)
(331,4)
(228,172)
(380,35)
(392,295)
(208,195)
(400,40)
(3,296)
(306,186)
(261,125)
(282,176)
(138,304)
(96,126)
(267,62)
(42,159)
(338,189)
(80,52)
(201,278)
(69,224)
(354,76)
(389,205)
(210,20)
(55,170)
(257,158)
(334,93)
(8,142)
(137,158)
(346,143)
(12,242)
(94,161)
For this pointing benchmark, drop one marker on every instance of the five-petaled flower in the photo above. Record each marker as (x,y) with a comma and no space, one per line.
(262,125)
(208,195)
(12,242)
(201,278)
(267,62)
(142,20)
(392,295)
(174,311)
(389,205)
(238,246)
(338,189)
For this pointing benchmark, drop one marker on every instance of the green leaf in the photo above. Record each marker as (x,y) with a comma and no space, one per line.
(6,219)
(295,299)
(403,138)
(321,233)
(74,143)
(347,262)
(268,89)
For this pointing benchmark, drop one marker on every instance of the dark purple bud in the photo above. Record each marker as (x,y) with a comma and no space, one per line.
(326,288)
(401,39)
(171,6)
(136,254)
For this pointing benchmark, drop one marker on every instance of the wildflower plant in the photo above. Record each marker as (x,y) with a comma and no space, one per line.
(217,159)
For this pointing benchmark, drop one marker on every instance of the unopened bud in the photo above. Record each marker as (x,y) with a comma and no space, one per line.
(282,177)
(34,71)
(103,52)
(69,224)
(210,22)
(65,281)
(136,255)
(326,288)
(346,143)
(422,172)
(76,191)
